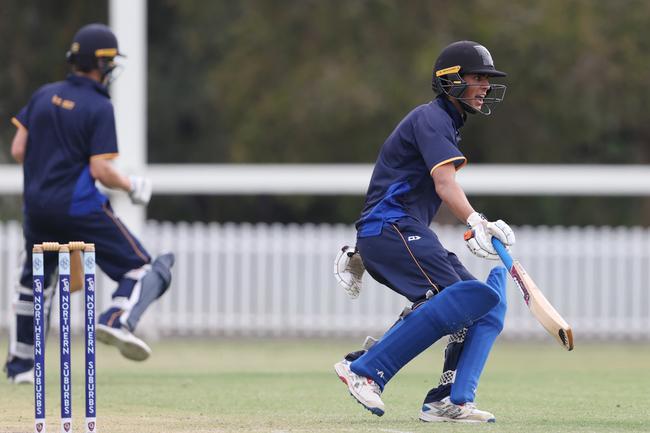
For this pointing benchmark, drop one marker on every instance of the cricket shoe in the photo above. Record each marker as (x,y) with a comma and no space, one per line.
(20,371)
(446,411)
(24,377)
(110,331)
(363,389)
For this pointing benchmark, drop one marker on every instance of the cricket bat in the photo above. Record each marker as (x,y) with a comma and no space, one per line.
(543,311)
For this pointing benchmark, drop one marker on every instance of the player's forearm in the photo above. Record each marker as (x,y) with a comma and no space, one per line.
(454,197)
(113,179)
(108,175)
(18,145)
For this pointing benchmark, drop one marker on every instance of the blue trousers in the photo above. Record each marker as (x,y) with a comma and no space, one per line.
(408,258)
(118,251)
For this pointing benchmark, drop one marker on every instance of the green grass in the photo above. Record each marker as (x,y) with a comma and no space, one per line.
(276,386)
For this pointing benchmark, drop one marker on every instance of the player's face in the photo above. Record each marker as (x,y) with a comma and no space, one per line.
(478,86)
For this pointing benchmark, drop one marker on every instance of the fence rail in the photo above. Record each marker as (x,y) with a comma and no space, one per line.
(261,279)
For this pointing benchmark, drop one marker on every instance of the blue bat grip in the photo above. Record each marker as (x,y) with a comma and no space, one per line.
(502,252)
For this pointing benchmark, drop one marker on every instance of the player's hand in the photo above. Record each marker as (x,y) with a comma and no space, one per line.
(140,192)
(348,270)
(478,237)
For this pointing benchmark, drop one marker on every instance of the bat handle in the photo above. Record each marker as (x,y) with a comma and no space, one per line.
(506,258)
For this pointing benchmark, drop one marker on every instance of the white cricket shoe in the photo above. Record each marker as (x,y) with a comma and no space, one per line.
(363,389)
(446,411)
(129,345)
(24,377)
(348,270)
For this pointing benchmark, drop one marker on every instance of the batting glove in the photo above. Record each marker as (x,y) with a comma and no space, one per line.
(140,192)
(478,237)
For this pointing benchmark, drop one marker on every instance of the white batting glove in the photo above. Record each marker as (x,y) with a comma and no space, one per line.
(348,270)
(140,192)
(478,237)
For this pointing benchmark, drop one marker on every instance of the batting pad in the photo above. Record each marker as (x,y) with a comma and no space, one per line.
(479,341)
(456,307)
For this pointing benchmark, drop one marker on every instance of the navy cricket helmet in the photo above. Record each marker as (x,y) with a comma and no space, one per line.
(94,46)
(466,57)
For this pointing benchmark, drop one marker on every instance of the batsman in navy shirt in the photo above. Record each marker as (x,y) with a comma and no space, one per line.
(66,139)
(414,174)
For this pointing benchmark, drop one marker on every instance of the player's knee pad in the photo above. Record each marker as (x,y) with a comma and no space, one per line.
(139,288)
(125,296)
(461,304)
(152,286)
(456,307)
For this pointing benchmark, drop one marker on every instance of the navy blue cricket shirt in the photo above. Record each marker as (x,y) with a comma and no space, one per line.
(68,123)
(401,183)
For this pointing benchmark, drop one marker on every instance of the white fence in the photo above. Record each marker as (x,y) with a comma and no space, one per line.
(243,279)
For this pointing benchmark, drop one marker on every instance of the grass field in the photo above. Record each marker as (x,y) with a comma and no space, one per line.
(277,386)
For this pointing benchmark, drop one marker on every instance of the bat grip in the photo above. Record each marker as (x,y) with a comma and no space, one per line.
(506,258)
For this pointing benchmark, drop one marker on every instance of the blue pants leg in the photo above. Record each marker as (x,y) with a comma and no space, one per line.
(479,341)
(456,307)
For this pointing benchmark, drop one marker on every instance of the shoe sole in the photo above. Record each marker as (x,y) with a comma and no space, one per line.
(432,418)
(341,374)
(133,349)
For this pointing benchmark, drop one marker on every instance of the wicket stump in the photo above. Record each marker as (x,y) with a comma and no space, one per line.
(38,266)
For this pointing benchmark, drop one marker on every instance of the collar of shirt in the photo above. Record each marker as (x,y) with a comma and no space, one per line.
(456,117)
(85,81)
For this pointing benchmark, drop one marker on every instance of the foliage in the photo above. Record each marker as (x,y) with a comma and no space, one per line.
(310,81)
(313,81)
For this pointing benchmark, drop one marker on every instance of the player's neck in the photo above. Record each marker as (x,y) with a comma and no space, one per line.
(93,75)
(456,103)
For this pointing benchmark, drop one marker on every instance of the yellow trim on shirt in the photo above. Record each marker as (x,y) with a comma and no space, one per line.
(447,161)
(17,123)
(105,156)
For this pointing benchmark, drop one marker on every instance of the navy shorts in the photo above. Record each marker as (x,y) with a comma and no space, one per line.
(117,250)
(408,257)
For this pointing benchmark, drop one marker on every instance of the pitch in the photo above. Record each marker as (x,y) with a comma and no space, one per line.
(276,386)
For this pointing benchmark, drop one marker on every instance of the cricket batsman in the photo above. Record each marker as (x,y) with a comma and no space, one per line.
(66,139)
(414,174)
